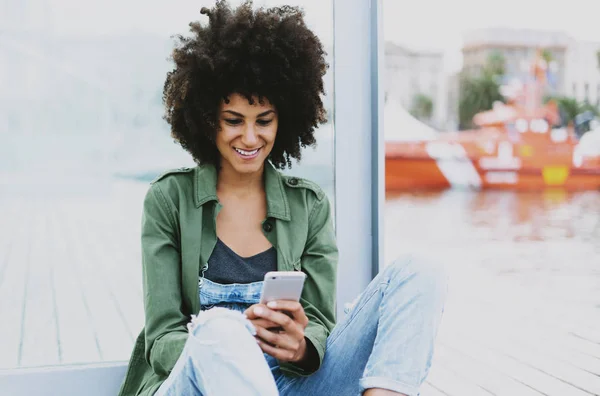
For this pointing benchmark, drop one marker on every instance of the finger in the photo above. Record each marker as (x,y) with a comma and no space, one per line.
(250,312)
(278,353)
(264,323)
(293,307)
(277,317)
(281,340)
(286,305)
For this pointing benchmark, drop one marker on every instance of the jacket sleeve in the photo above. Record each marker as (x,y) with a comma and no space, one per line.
(165,323)
(319,262)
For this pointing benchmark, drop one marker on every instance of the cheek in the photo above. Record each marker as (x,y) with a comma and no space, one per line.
(222,140)
(225,135)
(272,133)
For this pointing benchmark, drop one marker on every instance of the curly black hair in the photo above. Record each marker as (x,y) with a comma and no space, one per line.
(264,53)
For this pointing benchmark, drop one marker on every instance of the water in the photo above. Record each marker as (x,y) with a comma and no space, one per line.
(547,241)
(529,225)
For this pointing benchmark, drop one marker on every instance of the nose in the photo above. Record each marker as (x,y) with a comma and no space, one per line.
(250,136)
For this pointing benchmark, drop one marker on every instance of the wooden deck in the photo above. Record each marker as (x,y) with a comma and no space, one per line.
(521,318)
(523,312)
(70,277)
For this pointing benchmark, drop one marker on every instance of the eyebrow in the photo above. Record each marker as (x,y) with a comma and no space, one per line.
(242,116)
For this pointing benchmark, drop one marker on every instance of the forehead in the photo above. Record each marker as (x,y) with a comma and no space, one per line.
(240,104)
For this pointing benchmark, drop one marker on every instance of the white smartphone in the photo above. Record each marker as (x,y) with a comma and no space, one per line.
(282,285)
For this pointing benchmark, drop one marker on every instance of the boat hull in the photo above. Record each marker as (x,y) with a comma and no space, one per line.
(411,173)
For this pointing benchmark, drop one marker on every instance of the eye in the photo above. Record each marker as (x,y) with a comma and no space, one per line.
(264,122)
(233,121)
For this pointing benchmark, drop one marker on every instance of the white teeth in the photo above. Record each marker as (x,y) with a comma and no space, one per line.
(244,152)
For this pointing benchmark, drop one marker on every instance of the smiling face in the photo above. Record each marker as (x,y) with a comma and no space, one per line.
(247,134)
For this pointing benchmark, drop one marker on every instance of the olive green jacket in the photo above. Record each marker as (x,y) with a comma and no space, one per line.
(179,234)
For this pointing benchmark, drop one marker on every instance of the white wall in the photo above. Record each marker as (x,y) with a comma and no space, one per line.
(581,69)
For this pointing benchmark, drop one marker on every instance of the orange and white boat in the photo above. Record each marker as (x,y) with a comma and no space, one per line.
(514,146)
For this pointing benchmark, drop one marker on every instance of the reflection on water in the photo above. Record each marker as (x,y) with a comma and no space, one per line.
(535,234)
(543,247)
(547,216)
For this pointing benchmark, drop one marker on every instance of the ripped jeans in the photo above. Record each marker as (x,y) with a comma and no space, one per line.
(386,341)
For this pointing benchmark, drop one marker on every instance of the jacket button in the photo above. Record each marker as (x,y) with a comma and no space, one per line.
(293,181)
(267,227)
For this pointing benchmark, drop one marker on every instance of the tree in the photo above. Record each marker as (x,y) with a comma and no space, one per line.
(422,107)
(569,108)
(587,106)
(547,56)
(496,64)
(479,93)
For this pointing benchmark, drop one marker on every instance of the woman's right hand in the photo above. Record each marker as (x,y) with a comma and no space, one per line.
(260,322)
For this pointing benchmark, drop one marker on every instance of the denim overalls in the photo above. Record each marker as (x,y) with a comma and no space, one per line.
(235,296)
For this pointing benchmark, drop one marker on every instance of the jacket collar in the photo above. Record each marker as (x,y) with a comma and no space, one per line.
(205,187)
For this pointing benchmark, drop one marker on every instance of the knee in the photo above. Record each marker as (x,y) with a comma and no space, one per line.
(420,276)
(220,321)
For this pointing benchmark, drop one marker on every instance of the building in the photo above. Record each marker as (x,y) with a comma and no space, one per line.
(583,72)
(518,47)
(574,69)
(453,92)
(409,73)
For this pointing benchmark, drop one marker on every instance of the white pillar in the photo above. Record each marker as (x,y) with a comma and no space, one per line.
(359,144)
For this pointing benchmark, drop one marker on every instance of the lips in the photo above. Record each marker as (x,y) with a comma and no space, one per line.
(247,154)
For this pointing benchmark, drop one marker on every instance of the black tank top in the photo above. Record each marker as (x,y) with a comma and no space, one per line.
(225,266)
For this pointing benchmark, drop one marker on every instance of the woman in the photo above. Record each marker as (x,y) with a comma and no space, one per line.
(243,99)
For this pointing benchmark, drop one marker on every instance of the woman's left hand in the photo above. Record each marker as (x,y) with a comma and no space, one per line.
(289,344)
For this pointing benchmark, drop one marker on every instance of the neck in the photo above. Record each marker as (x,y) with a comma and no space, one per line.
(230,181)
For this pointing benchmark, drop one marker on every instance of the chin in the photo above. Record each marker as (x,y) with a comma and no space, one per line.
(253,167)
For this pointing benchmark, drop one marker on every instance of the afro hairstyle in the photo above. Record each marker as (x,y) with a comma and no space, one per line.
(263,53)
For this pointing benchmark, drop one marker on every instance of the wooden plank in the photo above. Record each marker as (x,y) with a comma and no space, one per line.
(39,332)
(546,356)
(10,213)
(481,374)
(586,333)
(77,337)
(513,368)
(126,295)
(12,290)
(429,390)
(113,337)
(569,374)
(453,384)
(501,325)
(89,380)
(524,350)
(551,343)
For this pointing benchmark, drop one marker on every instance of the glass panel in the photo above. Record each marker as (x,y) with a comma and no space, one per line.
(81,136)
(505,201)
